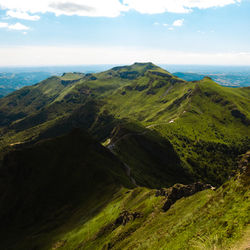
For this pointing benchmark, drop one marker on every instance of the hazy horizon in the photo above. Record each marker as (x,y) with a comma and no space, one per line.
(101,67)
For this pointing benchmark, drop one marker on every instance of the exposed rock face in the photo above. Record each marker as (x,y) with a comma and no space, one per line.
(244,163)
(178,191)
(129,75)
(161,74)
(67,82)
(125,217)
(237,114)
(244,168)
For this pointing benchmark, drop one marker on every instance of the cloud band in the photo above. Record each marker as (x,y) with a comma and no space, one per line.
(107,8)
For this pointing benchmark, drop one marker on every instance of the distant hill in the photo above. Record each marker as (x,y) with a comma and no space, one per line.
(11,81)
(14,78)
(237,79)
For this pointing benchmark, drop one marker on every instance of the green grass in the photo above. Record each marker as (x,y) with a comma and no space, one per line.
(196,117)
(167,131)
(206,220)
(42,185)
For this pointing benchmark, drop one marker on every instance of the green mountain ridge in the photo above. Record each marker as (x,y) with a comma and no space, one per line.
(156,130)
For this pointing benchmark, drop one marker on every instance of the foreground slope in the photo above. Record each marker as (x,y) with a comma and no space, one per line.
(41,185)
(135,219)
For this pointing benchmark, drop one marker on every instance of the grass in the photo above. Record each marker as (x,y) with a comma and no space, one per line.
(64,173)
(206,220)
(196,117)
(167,131)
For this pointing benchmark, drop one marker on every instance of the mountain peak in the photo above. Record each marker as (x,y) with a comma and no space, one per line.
(137,66)
(135,70)
(144,64)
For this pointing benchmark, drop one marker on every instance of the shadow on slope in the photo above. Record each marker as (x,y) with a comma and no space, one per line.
(43,184)
(151,158)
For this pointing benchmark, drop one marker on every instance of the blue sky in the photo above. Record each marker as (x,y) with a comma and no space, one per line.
(64,32)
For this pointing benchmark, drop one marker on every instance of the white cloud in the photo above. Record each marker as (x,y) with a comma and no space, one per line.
(16,26)
(25,56)
(178,22)
(22,15)
(107,8)
(165,24)
(170,28)
(176,6)
(4,25)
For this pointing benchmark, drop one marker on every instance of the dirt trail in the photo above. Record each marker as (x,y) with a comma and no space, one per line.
(161,123)
(126,166)
(244,243)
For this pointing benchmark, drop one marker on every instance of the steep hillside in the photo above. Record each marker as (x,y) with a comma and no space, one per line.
(152,159)
(207,124)
(138,219)
(27,112)
(40,186)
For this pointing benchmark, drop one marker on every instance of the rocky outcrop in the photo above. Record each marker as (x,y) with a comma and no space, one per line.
(141,87)
(178,191)
(157,73)
(177,102)
(125,217)
(68,82)
(244,162)
(237,114)
(129,74)
(244,168)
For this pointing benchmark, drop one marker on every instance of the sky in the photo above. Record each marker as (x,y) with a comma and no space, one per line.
(77,32)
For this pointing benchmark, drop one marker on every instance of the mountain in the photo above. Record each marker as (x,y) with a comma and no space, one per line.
(189,76)
(192,116)
(81,157)
(11,81)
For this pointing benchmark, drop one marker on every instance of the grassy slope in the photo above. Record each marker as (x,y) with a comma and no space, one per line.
(203,127)
(42,185)
(33,110)
(77,104)
(206,220)
(203,131)
(195,116)
(152,159)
